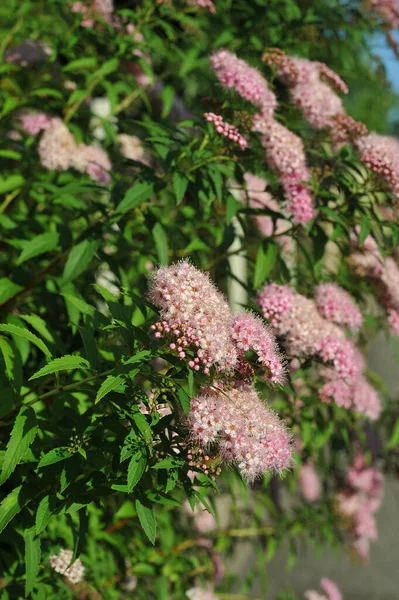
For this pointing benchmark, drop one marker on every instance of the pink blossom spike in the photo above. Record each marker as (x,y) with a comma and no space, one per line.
(335,304)
(250,333)
(309,482)
(229,131)
(331,589)
(194,312)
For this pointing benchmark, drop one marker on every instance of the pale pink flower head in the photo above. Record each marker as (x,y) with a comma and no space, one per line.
(285,153)
(366,399)
(33,123)
(95,162)
(393,321)
(234,73)
(338,391)
(389,11)
(197,593)
(335,304)
(93,9)
(131,147)
(194,316)
(276,302)
(343,355)
(248,432)
(204,521)
(318,102)
(309,482)
(229,131)
(208,4)
(57,147)
(331,589)
(381,154)
(60,563)
(250,333)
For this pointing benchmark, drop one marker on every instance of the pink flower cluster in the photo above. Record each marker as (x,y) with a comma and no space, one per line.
(297,321)
(199,321)
(33,123)
(359,501)
(197,593)
(60,563)
(226,129)
(250,333)
(204,4)
(309,482)
(367,262)
(284,150)
(335,304)
(330,589)
(380,153)
(234,73)
(248,432)
(59,151)
(389,11)
(94,9)
(286,154)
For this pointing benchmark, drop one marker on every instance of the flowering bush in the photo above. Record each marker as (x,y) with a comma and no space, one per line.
(198,245)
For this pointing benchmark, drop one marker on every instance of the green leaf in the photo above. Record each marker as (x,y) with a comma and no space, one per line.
(161,243)
(232,207)
(38,245)
(11,183)
(147,520)
(394,439)
(8,289)
(81,305)
(65,363)
(168,463)
(55,455)
(138,193)
(32,559)
(168,94)
(81,63)
(109,385)
(180,183)
(135,469)
(264,263)
(39,324)
(22,435)
(78,259)
(11,506)
(28,335)
(8,356)
(43,514)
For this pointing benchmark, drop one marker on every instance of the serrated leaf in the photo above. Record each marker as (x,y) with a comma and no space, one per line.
(27,335)
(161,243)
(65,363)
(43,514)
(147,520)
(109,385)
(11,506)
(39,324)
(180,183)
(78,259)
(44,242)
(138,193)
(32,559)
(55,455)
(135,469)
(22,435)
(8,289)
(8,356)
(265,261)
(141,423)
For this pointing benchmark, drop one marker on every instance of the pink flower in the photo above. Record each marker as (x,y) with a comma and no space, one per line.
(226,129)
(336,305)
(389,11)
(285,153)
(94,9)
(194,315)
(33,123)
(393,321)
(249,433)
(259,198)
(309,482)
(250,333)
(204,4)
(197,593)
(331,589)
(234,73)
(60,563)
(366,400)
(381,154)
(95,162)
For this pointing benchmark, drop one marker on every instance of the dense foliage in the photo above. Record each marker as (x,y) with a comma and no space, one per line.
(146,171)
